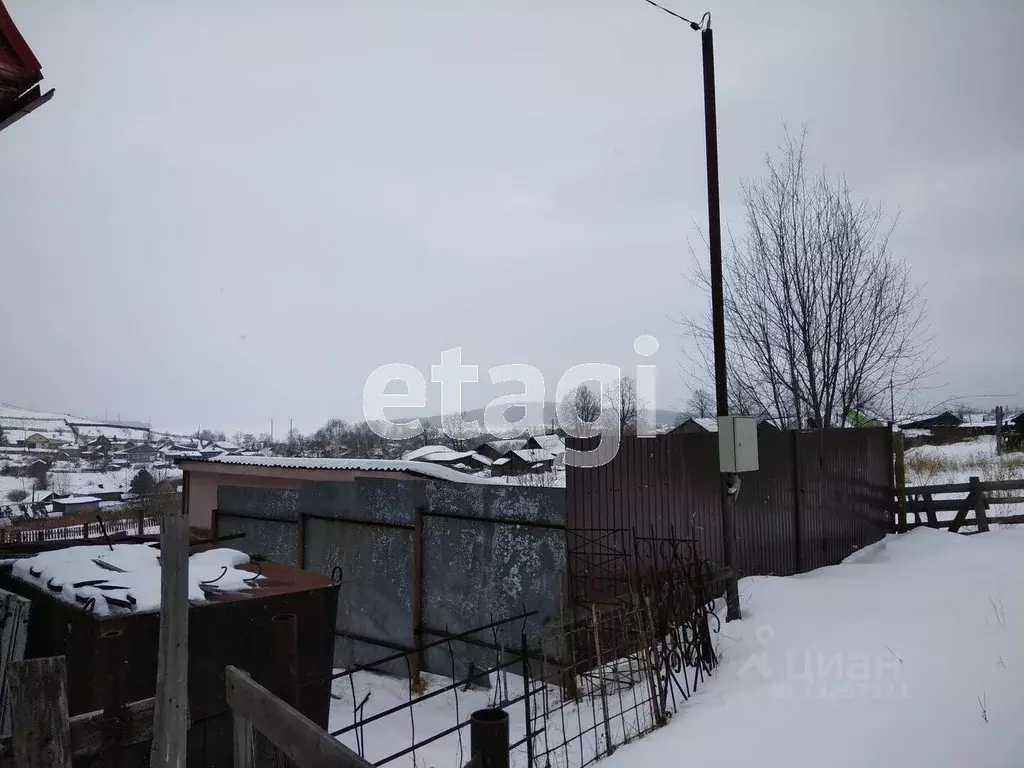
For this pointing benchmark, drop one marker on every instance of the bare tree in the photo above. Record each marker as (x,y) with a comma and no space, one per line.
(701,404)
(819,313)
(580,411)
(627,407)
(458,432)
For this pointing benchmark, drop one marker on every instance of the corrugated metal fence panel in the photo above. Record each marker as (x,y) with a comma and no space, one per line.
(848,494)
(13,634)
(766,540)
(669,486)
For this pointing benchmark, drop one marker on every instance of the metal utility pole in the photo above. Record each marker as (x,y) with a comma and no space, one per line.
(729,481)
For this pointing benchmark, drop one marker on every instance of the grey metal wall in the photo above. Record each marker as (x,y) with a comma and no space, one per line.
(487,552)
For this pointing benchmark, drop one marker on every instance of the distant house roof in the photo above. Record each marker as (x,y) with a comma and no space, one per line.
(502,460)
(696,424)
(98,489)
(944,419)
(553,444)
(426,450)
(77,500)
(504,446)
(533,455)
(414,468)
(443,457)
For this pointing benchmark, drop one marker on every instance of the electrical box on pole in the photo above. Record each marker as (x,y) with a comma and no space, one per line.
(737,443)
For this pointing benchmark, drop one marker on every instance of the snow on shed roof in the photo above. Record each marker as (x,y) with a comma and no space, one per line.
(419,468)
(447,455)
(78,500)
(138,574)
(426,450)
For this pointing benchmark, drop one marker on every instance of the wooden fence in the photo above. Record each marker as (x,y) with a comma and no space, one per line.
(920,502)
(268,731)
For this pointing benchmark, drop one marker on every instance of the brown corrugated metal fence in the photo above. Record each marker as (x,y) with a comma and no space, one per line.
(817,497)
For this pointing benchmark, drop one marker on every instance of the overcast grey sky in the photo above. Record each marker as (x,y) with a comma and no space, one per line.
(235,211)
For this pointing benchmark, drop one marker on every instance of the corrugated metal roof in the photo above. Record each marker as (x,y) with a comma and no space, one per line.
(419,468)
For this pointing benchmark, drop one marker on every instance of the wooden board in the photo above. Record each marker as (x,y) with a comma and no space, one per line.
(14,615)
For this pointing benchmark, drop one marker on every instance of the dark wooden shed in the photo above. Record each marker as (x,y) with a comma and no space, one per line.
(233,628)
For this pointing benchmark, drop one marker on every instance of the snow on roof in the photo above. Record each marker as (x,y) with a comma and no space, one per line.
(420,468)
(710,423)
(446,456)
(502,460)
(482,459)
(504,446)
(96,488)
(426,450)
(133,568)
(226,446)
(534,455)
(78,500)
(551,443)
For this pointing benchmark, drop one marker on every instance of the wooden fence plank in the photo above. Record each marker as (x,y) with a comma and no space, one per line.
(243,742)
(89,731)
(989,485)
(171,714)
(979,504)
(41,733)
(13,635)
(298,737)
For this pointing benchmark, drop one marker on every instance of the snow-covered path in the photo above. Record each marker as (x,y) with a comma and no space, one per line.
(895,658)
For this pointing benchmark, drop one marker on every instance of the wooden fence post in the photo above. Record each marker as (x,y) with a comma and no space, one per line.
(170,718)
(979,504)
(41,731)
(243,743)
(901,483)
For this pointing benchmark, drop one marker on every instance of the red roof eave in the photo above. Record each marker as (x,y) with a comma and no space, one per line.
(20,74)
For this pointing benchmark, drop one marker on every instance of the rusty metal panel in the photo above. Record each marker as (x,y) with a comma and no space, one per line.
(389,501)
(248,501)
(476,571)
(375,599)
(516,503)
(276,540)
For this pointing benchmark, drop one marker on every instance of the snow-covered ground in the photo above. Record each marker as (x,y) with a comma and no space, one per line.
(64,483)
(911,653)
(958,462)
